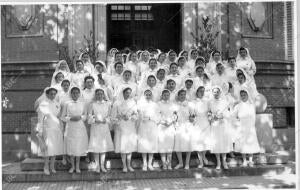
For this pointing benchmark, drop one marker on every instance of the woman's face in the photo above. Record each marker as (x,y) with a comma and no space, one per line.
(89,84)
(148,95)
(161,74)
(219,69)
(162,58)
(181,96)
(172,56)
(244,96)
(200,92)
(127,76)
(75,94)
(65,86)
(101,81)
(145,56)
(59,77)
(185,55)
(243,53)
(217,57)
(199,62)
(118,57)
(85,57)
(99,95)
(133,57)
(232,63)
(126,94)
(151,82)
(171,85)
(194,54)
(99,68)
(216,93)
(166,96)
(199,72)
(63,65)
(51,95)
(79,66)
(188,84)
(119,68)
(152,64)
(241,79)
(173,69)
(181,62)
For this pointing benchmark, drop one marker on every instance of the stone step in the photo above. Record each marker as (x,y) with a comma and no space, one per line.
(13,173)
(37,164)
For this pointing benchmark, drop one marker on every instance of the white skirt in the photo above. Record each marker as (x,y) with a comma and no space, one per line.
(148,137)
(100,139)
(182,137)
(200,135)
(125,137)
(76,138)
(166,138)
(221,139)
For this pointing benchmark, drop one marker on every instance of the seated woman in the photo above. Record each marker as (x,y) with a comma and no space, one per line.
(100,138)
(76,137)
(125,139)
(50,130)
(147,128)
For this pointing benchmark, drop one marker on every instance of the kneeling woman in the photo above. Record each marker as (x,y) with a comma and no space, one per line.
(125,112)
(76,138)
(50,130)
(147,128)
(100,138)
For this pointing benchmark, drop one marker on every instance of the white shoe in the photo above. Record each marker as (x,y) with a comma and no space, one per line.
(150,167)
(46,171)
(125,170)
(178,166)
(187,167)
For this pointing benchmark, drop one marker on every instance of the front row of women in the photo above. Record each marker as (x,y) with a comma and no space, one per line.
(146,127)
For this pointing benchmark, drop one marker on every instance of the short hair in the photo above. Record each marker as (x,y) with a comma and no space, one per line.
(51,88)
(79,61)
(231,58)
(173,64)
(65,81)
(242,48)
(151,76)
(74,88)
(118,63)
(216,51)
(127,71)
(170,80)
(161,69)
(89,77)
(128,88)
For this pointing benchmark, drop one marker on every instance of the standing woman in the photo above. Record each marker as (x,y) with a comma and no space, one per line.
(183,70)
(193,54)
(200,134)
(190,89)
(161,79)
(166,134)
(183,127)
(161,60)
(62,67)
(77,78)
(147,128)
(215,58)
(174,75)
(171,57)
(58,78)
(87,64)
(220,133)
(171,86)
(247,142)
(244,61)
(143,63)
(100,137)
(132,65)
(117,58)
(184,54)
(100,68)
(116,78)
(230,70)
(125,112)
(151,85)
(74,114)
(50,129)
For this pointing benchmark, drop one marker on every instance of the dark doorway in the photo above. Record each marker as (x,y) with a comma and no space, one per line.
(141,26)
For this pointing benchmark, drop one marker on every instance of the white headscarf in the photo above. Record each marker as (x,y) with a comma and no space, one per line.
(57,69)
(88,63)
(145,51)
(248,56)
(102,63)
(190,53)
(168,56)
(44,97)
(105,94)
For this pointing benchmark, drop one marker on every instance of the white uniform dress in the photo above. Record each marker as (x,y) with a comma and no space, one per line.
(75,135)
(147,129)
(200,133)
(221,139)
(100,137)
(77,79)
(166,135)
(246,142)
(183,128)
(125,139)
(51,127)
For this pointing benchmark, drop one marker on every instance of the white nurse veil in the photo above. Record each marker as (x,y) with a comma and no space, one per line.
(57,69)
(239,57)
(104,91)
(102,63)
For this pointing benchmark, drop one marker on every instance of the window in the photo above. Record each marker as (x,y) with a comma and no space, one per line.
(290,116)
(131,12)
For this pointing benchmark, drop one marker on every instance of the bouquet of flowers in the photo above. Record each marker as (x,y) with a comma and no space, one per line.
(214,116)
(169,121)
(192,118)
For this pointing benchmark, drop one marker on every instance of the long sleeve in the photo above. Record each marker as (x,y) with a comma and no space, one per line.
(64,114)
(253,68)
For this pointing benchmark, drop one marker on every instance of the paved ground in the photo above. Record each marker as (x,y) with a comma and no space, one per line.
(247,182)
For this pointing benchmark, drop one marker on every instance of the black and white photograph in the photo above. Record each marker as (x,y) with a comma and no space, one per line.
(148,95)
